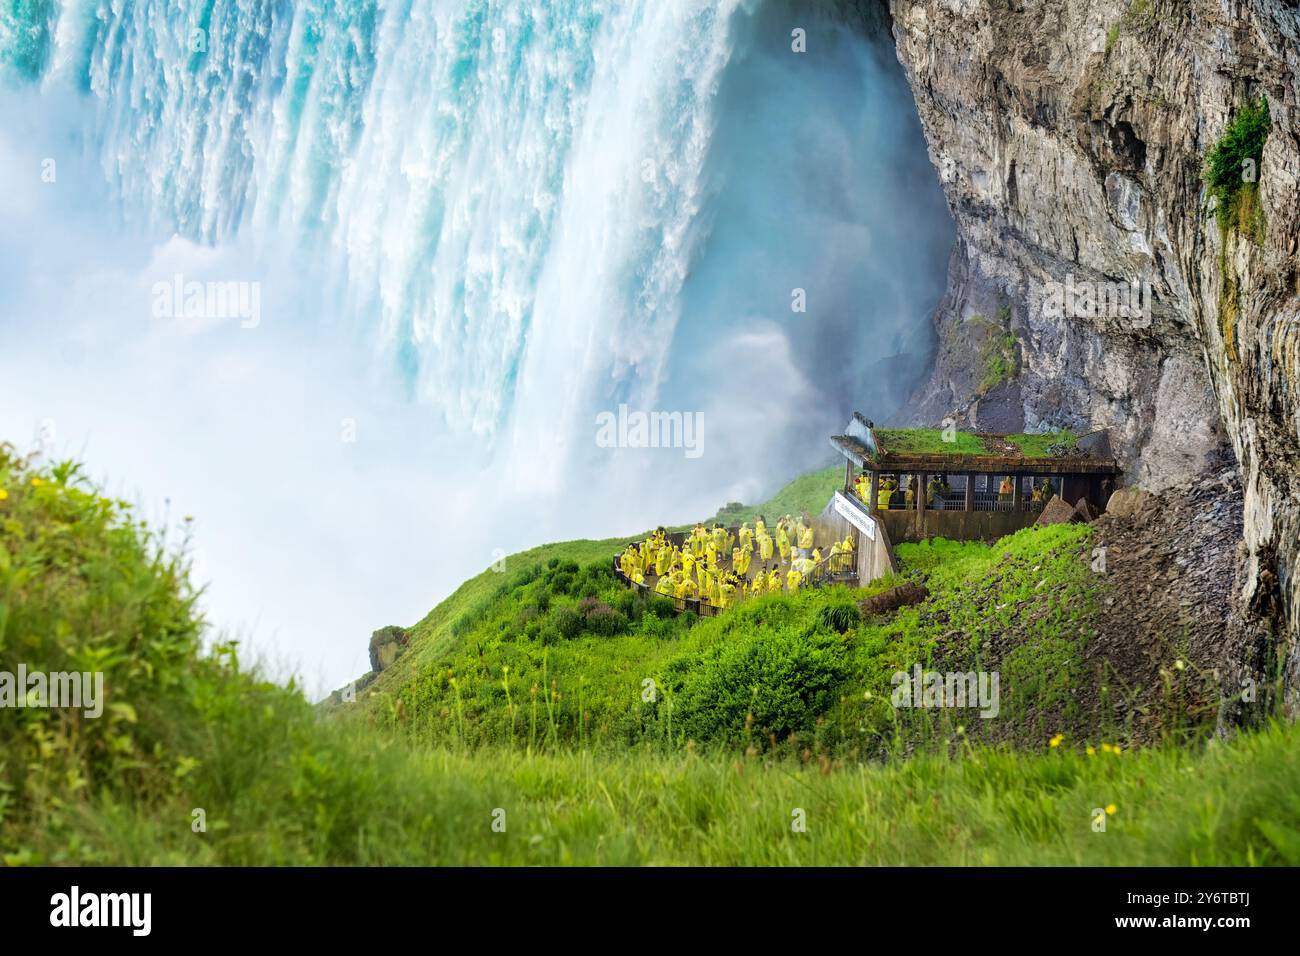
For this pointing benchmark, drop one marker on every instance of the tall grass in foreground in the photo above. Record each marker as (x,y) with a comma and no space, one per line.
(334,794)
(199,761)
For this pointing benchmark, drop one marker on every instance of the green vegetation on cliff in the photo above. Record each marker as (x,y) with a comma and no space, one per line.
(1232,169)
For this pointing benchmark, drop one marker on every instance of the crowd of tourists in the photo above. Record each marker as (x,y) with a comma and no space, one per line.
(720,567)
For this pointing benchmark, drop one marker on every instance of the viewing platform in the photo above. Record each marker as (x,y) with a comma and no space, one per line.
(923,483)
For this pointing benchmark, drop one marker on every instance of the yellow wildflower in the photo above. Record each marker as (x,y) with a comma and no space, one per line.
(1056,741)
(1110,809)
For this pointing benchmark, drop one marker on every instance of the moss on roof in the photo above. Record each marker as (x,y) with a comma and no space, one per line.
(931,441)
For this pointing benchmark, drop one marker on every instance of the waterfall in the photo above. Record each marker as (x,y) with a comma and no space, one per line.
(522,214)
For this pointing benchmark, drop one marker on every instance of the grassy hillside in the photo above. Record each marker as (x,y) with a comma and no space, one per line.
(197,761)
(553,652)
(442,632)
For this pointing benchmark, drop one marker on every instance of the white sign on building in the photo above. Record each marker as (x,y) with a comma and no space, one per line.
(854,515)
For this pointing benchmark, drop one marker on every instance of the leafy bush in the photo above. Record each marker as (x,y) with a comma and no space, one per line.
(1226,162)
(605,621)
(566,620)
(784,678)
(85,587)
(661,607)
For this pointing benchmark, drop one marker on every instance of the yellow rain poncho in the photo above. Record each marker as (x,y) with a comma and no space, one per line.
(746,537)
(783,544)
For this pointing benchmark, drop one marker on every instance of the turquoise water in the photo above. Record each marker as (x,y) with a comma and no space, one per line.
(476,225)
(632,168)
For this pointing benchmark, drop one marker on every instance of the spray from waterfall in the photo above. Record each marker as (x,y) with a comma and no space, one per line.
(475,227)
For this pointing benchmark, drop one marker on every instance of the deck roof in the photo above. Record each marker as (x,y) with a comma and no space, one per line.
(914,449)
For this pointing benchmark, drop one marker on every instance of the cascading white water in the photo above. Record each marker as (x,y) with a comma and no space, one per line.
(521,213)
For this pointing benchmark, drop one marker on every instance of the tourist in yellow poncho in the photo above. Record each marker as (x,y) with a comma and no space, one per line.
(664,586)
(746,538)
(773,580)
(719,537)
(888,486)
(740,561)
(792,580)
(688,562)
(806,540)
(764,546)
(663,561)
(727,593)
(783,543)
(760,526)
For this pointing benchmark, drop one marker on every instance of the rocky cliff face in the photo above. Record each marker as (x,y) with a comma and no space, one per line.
(1071,139)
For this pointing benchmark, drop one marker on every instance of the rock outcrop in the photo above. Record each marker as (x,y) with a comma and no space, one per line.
(1071,139)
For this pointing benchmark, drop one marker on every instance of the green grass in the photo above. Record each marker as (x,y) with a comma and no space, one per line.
(1039,444)
(192,736)
(338,795)
(928,441)
(807,493)
(999,361)
(560,655)
(433,636)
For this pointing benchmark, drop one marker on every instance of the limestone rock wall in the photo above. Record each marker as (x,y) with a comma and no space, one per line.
(1070,137)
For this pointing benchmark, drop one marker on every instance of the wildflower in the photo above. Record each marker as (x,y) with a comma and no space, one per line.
(3,494)
(1092,751)
(1110,809)
(1179,665)
(1056,741)
(961,729)
(37,482)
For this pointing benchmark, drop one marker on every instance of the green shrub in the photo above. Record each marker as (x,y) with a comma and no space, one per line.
(605,621)
(661,607)
(784,678)
(566,620)
(1226,162)
(839,616)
